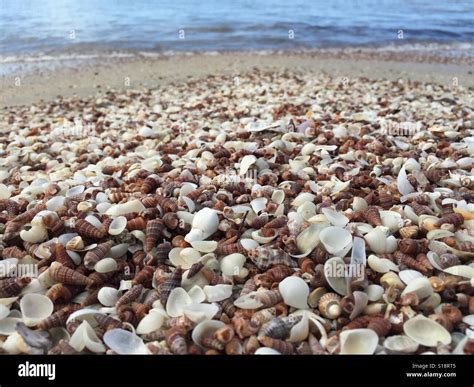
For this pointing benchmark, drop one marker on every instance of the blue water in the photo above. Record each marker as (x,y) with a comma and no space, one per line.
(62,26)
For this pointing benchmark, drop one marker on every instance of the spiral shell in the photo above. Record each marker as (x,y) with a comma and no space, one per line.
(154,229)
(11,287)
(372,216)
(87,230)
(68,276)
(330,305)
(95,255)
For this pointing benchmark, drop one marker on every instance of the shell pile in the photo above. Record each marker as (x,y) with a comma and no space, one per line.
(277,216)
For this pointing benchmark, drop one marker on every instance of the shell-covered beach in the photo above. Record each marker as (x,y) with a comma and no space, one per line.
(267,211)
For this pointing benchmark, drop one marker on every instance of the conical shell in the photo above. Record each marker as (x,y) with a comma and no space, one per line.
(67,276)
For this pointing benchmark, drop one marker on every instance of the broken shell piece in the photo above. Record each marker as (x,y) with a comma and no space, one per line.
(334,271)
(205,329)
(217,292)
(336,240)
(425,331)
(125,343)
(335,218)
(421,286)
(358,342)
(117,226)
(400,344)
(381,265)
(85,337)
(151,322)
(34,308)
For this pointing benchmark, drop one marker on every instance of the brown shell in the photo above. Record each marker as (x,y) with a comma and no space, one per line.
(61,292)
(131,295)
(12,287)
(409,231)
(144,276)
(58,319)
(372,216)
(281,346)
(154,229)
(68,276)
(62,256)
(409,246)
(171,283)
(176,341)
(330,305)
(455,219)
(137,223)
(150,184)
(171,220)
(87,230)
(96,254)
(167,204)
(380,325)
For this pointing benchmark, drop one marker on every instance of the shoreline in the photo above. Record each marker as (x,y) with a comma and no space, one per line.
(120,74)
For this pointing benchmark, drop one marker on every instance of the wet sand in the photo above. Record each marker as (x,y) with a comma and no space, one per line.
(24,87)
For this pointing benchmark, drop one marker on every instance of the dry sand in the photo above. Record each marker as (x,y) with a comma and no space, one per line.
(96,78)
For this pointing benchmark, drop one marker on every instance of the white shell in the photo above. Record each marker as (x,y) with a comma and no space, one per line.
(177,300)
(336,240)
(469,320)
(421,286)
(125,343)
(197,294)
(35,234)
(361,300)
(108,296)
(151,322)
(248,301)
(331,269)
(246,162)
(217,292)
(392,220)
(118,251)
(259,204)
(400,344)
(4,311)
(117,226)
(381,265)
(358,342)
(461,271)
(374,292)
(204,246)
(426,332)
(403,185)
(232,264)
(184,257)
(335,218)
(257,236)
(85,337)
(359,204)
(409,275)
(86,314)
(205,223)
(126,208)
(200,312)
(299,332)
(377,241)
(205,329)
(266,351)
(294,292)
(308,239)
(106,265)
(34,308)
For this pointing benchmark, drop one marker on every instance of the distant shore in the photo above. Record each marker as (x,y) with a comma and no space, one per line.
(95,78)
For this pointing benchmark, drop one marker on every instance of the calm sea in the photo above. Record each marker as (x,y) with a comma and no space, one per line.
(39,30)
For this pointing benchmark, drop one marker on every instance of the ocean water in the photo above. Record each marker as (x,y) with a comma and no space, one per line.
(47,29)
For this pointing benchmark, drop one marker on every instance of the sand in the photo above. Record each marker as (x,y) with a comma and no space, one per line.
(96,78)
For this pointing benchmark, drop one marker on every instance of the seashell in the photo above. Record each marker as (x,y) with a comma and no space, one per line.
(461,271)
(154,229)
(217,292)
(374,292)
(95,255)
(425,331)
(300,330)
(75,243)
(381,265)
(68,276)
(400,344)
(248,301)
(408,276)
(107,296)
(204,246)
(85,337)
(87,230)
(118,225)
(175,339)
(420,286)
(409,231)
(336,240)
(279,327)
(332,269)
(335,218)
(266,351)
(377,241)
(124,342)
(280,346)
(373,216)
(309,238)
(178,299)
(106,265)
(205,330)
(232,264)
(205,223)
(294,292)
(392,220)
(151,322)
(403,185)
(35,234)
(11,287)
(330,306)
(35,308)
(132,206)
(200,312)
(257,236)
(358,342)
(246,162)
